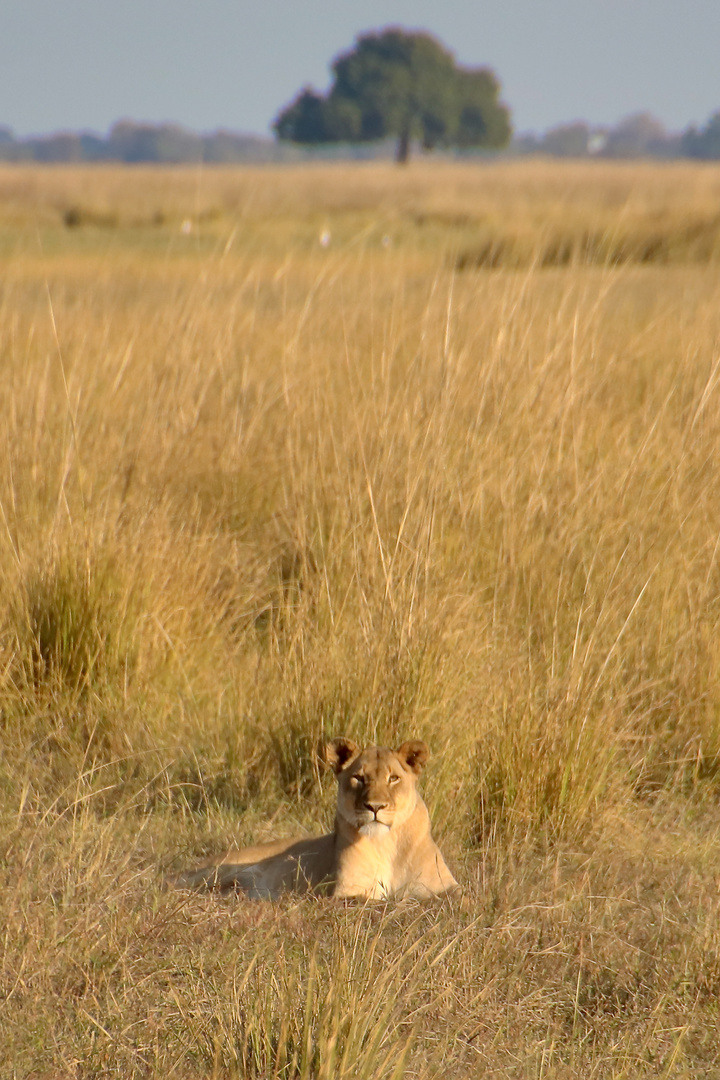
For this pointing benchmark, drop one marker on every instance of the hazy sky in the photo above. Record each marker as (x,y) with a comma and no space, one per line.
(233,63)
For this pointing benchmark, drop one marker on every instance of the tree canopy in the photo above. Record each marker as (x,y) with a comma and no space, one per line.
(404,85)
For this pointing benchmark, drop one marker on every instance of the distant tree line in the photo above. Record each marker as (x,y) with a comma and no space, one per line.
(635,137)
(135,143)
(638,136)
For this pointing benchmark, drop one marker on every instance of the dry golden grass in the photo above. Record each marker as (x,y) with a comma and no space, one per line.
(256,490)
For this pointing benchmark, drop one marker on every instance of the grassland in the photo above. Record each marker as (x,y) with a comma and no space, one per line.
(453,475)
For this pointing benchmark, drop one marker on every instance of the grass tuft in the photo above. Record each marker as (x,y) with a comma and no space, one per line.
(75,631)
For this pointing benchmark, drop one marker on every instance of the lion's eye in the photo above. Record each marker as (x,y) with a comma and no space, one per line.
(394,779)
(356,781)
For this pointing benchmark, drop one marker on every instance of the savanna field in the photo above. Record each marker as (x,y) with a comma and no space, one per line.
(451,473)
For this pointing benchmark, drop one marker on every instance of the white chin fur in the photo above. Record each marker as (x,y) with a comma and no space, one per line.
(373,829)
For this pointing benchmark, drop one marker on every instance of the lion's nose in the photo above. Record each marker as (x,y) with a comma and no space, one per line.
(376,807)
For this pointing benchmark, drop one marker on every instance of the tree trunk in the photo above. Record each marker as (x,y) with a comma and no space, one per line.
(402,155)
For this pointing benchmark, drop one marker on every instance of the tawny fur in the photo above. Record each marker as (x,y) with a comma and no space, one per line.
(381,845)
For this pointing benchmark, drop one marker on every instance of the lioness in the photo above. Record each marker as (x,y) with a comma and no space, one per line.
(380,847)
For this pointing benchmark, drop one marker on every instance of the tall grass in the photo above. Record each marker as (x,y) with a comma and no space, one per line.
(257,491)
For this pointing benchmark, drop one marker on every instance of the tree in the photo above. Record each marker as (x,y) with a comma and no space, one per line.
(703,144)
(638,135)
(405,85)
(567,140)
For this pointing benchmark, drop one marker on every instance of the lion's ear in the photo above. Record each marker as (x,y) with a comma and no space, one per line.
(339,752)
(414,753)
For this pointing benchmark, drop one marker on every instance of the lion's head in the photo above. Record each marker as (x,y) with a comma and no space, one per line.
(376,786)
